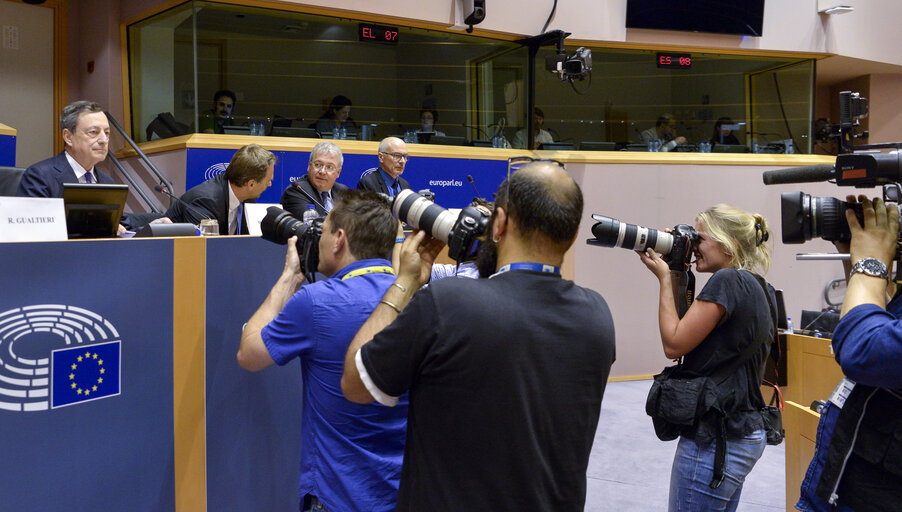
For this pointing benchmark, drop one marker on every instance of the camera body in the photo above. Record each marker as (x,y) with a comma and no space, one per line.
(462,233)
(576,66)
(279,225)
(676,246)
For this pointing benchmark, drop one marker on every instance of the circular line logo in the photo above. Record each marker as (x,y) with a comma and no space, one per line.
(85,369)
(215,169)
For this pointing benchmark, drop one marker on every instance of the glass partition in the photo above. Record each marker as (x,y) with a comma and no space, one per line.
(290,71)
(305,75)
(764,100)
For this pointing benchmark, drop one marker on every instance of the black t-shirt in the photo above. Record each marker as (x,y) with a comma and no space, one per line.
(506,377)
(747,320)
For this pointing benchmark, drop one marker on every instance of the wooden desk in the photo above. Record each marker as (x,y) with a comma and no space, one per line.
(800,423)
(811,369)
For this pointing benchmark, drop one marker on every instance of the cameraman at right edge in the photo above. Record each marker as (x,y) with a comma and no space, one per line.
(858,456)
(725,335)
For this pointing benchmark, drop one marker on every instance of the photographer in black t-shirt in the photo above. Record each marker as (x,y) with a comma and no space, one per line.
(505,374)
(728,321)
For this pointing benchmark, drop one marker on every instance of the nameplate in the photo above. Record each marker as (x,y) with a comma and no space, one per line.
(255,213)
(32,219)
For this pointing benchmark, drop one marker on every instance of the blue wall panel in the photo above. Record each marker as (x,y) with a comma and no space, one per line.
(110,453)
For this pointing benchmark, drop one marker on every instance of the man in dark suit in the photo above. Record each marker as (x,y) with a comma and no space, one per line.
(318,186)
(387,178)
(86,136)
(223,196)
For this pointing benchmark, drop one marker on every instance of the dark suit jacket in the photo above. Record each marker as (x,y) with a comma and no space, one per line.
(371,179)
(297,196)
(46,178)
(209,200)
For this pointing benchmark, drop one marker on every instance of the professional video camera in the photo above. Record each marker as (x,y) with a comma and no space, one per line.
(279,225)
(805,217)
(676,246)
(575,66)
(463,233)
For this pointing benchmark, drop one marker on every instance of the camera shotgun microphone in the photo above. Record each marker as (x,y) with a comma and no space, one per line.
(164,189)
(470,179)
(804,174)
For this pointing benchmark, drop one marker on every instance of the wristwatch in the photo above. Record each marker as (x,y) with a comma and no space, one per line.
(870,267)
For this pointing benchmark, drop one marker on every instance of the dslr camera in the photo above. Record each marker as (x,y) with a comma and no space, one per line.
(463,233)
(676,246)
(279,225)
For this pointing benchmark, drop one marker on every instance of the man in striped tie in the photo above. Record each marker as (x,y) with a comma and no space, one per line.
(318,186)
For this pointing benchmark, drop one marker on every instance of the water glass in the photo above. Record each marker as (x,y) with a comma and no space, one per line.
(209,227)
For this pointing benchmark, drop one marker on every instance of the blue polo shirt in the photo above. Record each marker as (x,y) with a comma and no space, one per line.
(351,454)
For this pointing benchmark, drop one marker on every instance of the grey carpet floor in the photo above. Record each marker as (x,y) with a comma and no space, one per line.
(629,468)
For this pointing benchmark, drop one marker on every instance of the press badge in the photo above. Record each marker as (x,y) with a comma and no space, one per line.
(838,398)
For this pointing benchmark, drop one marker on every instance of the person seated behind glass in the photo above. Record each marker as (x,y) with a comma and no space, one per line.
(213,120)
(664,130)
(428,117)
(337,116)
(541,136)
(723,135)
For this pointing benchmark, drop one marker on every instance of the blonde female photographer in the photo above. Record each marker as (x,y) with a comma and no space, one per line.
(725,335)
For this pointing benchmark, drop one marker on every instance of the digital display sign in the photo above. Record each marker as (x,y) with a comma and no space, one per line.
(377,33)
(674,60)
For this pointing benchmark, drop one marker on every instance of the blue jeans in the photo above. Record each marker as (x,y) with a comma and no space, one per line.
(693,469)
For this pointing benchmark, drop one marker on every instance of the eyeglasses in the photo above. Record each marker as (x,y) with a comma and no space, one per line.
(515,163)
(320,166)
(397,156)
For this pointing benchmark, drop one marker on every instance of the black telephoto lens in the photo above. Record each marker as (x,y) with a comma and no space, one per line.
(805,217)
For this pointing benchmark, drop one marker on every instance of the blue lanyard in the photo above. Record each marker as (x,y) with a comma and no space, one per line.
(535,267)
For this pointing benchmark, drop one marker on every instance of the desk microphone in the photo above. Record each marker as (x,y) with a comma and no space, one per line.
(308,196)
(164,189)
(470,179)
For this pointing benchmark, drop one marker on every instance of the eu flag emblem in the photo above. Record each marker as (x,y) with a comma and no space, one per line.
(83,373)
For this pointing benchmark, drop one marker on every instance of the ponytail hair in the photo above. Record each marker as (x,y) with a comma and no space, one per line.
(744,235)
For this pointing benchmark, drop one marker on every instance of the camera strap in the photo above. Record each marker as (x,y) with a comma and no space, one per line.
(685,292)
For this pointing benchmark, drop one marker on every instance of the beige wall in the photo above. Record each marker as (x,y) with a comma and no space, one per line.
(661,196)
(26,80)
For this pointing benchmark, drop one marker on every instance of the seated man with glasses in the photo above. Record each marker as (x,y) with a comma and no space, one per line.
(387,177)
(318,186)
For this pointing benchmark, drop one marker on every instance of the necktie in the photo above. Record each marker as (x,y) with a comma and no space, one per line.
(239,213)
(395,188)
(88,177)
(327,201)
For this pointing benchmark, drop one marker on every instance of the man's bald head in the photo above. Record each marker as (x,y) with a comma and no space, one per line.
(543,201)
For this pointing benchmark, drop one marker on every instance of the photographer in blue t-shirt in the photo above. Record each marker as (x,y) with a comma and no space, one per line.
(351,453)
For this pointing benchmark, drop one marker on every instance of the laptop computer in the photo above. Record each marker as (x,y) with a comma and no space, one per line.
(291,131)
(93,210)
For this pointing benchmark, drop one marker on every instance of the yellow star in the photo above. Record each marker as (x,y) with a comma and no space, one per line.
(79,391)
(93,388)
(99,380)
(102,371)
(100,362)
(79,359)
(71,376)
(74,366)
(87,392)
(95,355)
(73,385)
(88,354)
